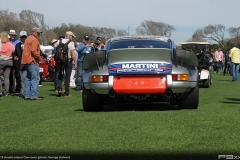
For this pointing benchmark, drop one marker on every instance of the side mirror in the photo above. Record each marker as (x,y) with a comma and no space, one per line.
(94,58)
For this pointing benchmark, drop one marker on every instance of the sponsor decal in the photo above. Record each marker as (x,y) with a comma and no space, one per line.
(140,68)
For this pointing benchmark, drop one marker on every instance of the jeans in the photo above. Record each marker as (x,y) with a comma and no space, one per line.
(68,69)
(217,66)
(32,81)
(79,75)
(235,69)
(23,80)
(16,68)
(6,67)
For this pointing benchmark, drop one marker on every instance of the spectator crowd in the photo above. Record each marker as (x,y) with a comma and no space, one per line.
(20,60)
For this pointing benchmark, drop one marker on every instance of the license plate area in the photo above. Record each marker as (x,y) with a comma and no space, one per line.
(140,84)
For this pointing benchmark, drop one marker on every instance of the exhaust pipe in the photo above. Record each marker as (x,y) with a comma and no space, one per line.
(112,93)
(168,94)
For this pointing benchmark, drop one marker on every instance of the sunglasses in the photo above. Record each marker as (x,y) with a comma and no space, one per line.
(23,37)
(12,35)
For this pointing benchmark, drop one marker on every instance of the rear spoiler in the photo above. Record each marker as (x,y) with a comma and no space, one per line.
(94,59)
(186,57)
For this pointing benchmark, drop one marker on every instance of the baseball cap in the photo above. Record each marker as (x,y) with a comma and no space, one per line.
(102,45)
(36,29)
(85,37)
(12,32)
(96,42)
(70,33)
(23,33)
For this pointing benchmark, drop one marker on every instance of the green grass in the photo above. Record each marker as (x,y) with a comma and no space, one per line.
(59,125)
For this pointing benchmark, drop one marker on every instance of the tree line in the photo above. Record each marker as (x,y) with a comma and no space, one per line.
(27,19)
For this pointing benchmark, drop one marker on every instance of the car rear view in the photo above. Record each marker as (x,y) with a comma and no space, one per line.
(135,69)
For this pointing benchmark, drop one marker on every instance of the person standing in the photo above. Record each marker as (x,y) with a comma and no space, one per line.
(53,44)
(219,57)
(99,39)
(82,51)
(13,39)
(7,48)
(67,66)
(31,58)
(235,55)
(20,70)
(227,63)
(17,56)
(72,77)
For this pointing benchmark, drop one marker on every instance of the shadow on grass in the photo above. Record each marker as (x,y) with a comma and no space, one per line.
(137,107)
(231,101)
(226,80)
(53,95)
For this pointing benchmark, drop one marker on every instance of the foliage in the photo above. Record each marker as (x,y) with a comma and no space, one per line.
(27,19)
(149,27)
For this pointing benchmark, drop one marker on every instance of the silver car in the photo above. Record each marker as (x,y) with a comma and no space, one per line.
(140,69)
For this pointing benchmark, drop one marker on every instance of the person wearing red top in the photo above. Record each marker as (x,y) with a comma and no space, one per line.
(6,63)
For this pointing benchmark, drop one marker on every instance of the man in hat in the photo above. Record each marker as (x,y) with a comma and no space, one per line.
(20,71)
(13,39)
(67,66)
(82,51)
(31,58)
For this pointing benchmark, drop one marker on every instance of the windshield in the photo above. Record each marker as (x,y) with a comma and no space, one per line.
(139,44)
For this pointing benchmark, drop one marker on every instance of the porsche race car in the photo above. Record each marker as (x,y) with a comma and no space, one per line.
(140,69)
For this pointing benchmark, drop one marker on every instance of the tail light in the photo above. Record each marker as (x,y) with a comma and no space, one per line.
(96,79)
(180,77)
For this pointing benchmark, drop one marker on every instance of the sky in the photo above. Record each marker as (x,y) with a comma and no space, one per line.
(185,15)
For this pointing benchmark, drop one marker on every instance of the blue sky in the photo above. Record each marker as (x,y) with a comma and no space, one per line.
(185,15)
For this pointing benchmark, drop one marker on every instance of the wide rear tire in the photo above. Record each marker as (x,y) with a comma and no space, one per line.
(190,99)
(92,101)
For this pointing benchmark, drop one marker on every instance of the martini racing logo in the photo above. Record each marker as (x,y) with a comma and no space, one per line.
(140,68)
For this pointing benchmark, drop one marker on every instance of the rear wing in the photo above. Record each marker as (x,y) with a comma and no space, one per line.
(94,59)
(186,57)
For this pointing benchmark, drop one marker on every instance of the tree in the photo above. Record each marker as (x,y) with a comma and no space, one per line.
(149,27)
(235,35)
(33,19)
(122,33)
(198,36)
(215,33)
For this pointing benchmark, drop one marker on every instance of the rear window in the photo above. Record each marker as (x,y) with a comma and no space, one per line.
(139,44)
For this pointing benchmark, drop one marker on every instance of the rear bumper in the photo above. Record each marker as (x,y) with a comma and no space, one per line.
(141,85)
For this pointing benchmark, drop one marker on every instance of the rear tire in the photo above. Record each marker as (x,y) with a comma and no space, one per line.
(190,99)
(92,101)
(207,82)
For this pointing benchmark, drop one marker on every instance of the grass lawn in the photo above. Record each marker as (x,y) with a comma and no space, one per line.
(59,125)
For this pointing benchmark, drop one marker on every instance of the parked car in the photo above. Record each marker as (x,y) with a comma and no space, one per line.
(205,61)
(140,69)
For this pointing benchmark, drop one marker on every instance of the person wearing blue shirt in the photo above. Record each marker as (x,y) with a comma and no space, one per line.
(83,49)
(12,33)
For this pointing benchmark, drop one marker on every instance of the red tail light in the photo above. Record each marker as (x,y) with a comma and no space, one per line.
(105,78)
